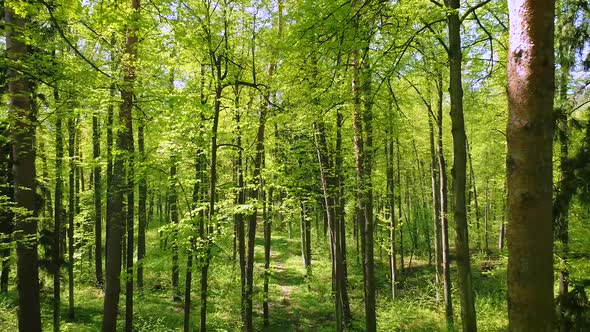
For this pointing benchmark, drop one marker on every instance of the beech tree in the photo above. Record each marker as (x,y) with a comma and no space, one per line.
(529,165)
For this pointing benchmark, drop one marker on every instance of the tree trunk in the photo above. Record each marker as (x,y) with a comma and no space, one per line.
(97,200)
(391,205)
(361,120)
(330,189)
(141,204)
(529,165)
(255,193)
(442,171)
(130,220)
(71,214)
(399,207)
(475,197)
(120,186)
(468,320)
(435,182)
(174,235)
(266,211)
(23,150)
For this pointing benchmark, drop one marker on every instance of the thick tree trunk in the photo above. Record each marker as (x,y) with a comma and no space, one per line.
(23,150)
(529,165)
(459,172)
(120,187)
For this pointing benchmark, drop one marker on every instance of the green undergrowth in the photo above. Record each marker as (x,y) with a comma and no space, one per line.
(298,302)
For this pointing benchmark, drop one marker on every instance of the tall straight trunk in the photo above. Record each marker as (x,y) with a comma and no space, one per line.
(71,214)
(468,320)
(361,120)
(435,183)
(22,132)
(442,169)
(255,193)
(120,186)
(212,191)
(340,218)
(266,217)
(329,182)
(130,220)
(141,204)
(529,165)
(174,219)
(127,94)
(305,227)
(562,201)
(475,197)
(109,173)
(58,213)
(97,200)
(389,154)
(399,205)
(240,201)
(487,211)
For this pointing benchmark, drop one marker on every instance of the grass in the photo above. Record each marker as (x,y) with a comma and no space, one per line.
(297,302)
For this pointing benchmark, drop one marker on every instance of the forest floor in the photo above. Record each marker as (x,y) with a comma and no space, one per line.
(297,302)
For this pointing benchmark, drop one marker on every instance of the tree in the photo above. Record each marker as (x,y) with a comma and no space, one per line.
(22,135)
(119,187)
(529,165)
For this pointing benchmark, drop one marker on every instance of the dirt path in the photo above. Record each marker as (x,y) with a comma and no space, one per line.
(286,292)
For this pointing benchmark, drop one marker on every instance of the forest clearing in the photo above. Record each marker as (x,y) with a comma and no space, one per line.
(295,165)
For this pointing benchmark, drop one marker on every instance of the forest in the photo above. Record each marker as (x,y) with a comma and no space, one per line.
(295,165)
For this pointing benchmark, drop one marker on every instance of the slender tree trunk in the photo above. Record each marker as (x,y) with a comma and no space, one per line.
(71,214)
(23,150)
(97,200)
(141,204)
(434,175)
(475,197)
(330,189)
(266,217)
(442,169)
(399,206)
(130,228)
(255,193)
(486,244)
(529,165)
(389,148)
(361,119)
(174,219)
(468,320)
(340,218)
(109,174)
